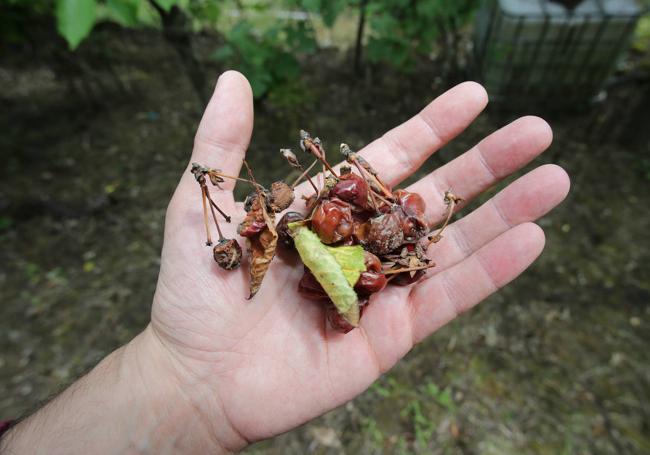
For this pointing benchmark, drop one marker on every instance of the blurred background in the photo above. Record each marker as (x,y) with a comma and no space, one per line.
(100,100)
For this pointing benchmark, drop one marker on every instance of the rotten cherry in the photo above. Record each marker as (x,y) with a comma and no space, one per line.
(332,221)
(352,188)
(227,253)
(384,234)
(284,237)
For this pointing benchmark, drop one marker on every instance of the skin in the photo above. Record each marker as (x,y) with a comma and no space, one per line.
(215,372)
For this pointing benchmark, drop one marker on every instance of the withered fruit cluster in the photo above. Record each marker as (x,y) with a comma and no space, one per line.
(347,208)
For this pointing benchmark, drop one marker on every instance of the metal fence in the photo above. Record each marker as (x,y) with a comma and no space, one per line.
(541,52)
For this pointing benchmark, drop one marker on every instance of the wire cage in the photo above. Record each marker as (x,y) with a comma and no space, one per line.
(544,53)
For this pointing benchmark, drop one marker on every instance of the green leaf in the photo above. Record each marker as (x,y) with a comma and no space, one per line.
(75,19)
(223,53)
(335,277)
(125,12)
(350,258)
(166,4)
(259,80)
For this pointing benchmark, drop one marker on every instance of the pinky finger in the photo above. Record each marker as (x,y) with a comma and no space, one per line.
(467,283)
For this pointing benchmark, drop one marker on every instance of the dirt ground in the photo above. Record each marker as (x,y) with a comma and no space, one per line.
(555,363)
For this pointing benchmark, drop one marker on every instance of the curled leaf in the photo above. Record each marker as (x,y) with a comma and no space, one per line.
(262,247)
(350,259)
(336,278)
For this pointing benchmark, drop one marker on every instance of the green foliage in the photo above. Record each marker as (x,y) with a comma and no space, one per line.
(75,19)
(328,10)
(641,40)
(402,31)
(267,41)
(166,4)
(267,57)
(124,12)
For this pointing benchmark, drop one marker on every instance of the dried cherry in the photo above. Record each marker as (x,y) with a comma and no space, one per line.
(310,288)
(227,253)
(352,188)
(384,234)
(332,221)
(284,237)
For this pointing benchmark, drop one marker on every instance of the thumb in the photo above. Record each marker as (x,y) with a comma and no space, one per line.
(226,127)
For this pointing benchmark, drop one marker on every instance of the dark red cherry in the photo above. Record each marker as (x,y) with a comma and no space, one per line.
(372,279)
(332,221)
(412,203)
(337,321)
(413,227)
(370,282)
(352,188)
(251,226)
(372,262)
(284,237)
(310,288)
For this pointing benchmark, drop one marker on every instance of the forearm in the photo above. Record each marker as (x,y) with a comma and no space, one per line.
(119,407)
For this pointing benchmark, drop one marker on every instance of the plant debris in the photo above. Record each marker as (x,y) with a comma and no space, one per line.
(357,236)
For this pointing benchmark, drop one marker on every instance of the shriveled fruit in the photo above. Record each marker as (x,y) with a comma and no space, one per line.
(370,282)
(412,203)
(227,253)
(284,236)
(352,188)
(384,234)
(281,196)
(356,236)
(372,279)
(413,227)
(332,221)
(310,288)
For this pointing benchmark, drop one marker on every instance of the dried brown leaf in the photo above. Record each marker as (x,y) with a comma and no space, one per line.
(262,248)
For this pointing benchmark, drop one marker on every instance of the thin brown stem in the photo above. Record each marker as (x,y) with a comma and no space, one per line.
(371,192)
(409,269)
(250,174)
(316,151)
(213,204)
(205,215)
(451,199)
(352,157)
(216,223)
(380,197)
(234,178)
(305,174)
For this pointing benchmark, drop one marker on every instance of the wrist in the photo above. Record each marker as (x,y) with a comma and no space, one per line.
(176,413)
(134,400)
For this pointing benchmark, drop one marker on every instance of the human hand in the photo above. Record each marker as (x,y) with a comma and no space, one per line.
(254,369)
(214,371)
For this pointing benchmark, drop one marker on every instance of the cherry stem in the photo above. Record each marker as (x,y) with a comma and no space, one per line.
(213,171)
(319,153)
(213,204)
(451,200)
(214,216)
(409,269)
(371,192)
(205,216)
(352,157)
(305,174)
(250,176)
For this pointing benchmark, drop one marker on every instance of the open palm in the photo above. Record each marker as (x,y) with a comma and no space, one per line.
(271,363)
